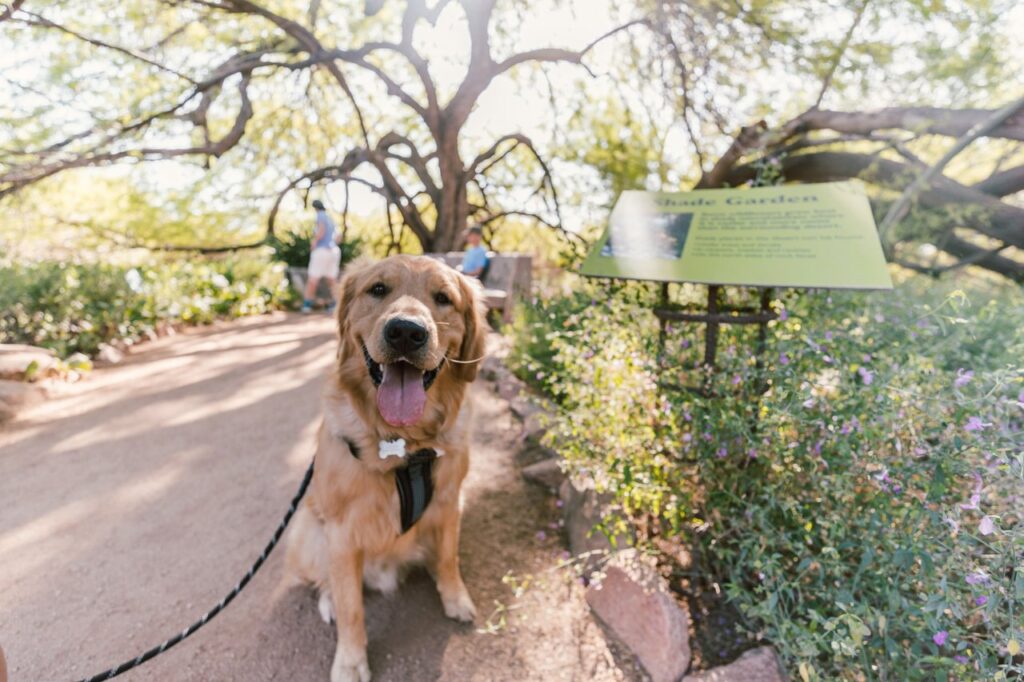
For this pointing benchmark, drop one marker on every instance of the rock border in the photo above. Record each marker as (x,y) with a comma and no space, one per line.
(625,591)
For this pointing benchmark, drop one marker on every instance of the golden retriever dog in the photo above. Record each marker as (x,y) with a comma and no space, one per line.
(412,333)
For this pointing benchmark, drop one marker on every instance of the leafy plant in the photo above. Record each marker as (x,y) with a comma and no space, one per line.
(293,249)
(74,308)
(863,513)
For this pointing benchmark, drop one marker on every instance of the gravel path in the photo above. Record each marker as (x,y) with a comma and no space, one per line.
(133,502)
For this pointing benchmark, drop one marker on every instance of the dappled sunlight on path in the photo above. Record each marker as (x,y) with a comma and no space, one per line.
(134,501)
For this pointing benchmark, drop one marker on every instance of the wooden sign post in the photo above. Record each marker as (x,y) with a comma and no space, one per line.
(820,236)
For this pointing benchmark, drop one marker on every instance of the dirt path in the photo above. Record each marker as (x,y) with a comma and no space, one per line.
(131,504)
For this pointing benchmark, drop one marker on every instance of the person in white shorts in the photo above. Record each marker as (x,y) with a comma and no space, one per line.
(324,258)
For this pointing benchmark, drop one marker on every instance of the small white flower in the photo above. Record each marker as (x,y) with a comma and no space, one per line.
(134,280)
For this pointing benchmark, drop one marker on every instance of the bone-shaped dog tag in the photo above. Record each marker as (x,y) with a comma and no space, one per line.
(392,448)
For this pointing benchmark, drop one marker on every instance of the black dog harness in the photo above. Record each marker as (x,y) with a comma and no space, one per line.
(414,482)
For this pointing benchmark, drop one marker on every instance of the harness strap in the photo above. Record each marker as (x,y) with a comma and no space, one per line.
(414,481)
(415,486)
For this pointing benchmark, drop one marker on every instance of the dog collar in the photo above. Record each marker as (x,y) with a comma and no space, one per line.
(414,479)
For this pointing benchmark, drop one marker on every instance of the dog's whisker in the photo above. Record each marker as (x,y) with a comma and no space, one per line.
(464,362)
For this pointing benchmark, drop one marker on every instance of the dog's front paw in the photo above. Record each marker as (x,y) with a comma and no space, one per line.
(350,668)
(459,606)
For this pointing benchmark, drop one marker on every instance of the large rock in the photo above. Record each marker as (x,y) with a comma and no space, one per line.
(15,359)
(524,407)
(547,473)
(509,386)
(583,508)
(636,607)
(109,355)
(531,453)
(756,665)
(535,427)
(17,395)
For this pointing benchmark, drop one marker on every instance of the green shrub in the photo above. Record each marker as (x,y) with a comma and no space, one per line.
(73,308)
(865,512)
(294,249)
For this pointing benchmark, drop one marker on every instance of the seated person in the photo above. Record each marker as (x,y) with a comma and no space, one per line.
(474,262)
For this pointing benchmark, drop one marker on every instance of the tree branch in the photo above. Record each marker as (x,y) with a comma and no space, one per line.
(42,22)
(555,54)
(19,177)
(931,120)
(899,209)
(9,9)
(826,82)
(1004,183)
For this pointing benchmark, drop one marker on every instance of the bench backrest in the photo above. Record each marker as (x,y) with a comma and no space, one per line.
(509,272)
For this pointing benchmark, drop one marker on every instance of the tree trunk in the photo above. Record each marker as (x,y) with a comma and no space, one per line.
(453,209)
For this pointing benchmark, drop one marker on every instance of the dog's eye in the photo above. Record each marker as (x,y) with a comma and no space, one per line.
(441,298)
(378,290)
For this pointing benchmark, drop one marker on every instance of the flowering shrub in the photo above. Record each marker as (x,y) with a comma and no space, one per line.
(864,513)
(74,308)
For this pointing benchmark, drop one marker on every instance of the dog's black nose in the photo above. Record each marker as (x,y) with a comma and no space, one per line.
(405,336)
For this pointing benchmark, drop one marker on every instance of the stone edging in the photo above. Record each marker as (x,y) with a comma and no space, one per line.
(625,591)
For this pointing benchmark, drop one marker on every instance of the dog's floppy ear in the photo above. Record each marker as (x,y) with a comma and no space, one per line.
(474,340)
(346,294)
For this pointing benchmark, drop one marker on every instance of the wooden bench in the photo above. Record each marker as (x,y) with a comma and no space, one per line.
(508,279)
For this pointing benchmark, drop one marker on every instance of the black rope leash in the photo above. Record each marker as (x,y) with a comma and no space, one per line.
(208,616)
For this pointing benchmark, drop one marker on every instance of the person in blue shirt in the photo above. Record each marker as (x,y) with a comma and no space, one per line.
(474,261)
(324,258)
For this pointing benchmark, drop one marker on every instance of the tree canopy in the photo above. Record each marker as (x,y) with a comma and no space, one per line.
(454,112)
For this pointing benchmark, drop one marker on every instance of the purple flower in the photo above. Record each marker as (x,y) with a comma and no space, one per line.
(541,535)
(981,600)
(784,360)
(736,380)
(974,424)
(973,504)
(809,403)
(986,526)
(940,637)
(976,496)
(687,437)
(685,343)
(722,452)
(783,315)
(866,375)
(959,658)
(963,377)
(752,453)
(559,503)
(977,578)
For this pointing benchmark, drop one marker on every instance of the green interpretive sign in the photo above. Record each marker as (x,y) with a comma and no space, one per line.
(820,235)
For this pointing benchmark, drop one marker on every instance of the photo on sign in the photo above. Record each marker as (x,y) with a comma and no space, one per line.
(664,238)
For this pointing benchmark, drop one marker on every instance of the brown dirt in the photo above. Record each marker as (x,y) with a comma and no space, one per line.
(134,501)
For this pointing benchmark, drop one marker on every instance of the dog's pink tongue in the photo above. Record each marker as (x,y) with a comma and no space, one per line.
(400,396)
